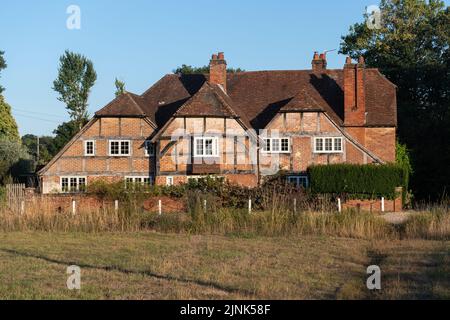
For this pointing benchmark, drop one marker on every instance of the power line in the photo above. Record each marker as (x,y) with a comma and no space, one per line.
(38,113)
(35,118)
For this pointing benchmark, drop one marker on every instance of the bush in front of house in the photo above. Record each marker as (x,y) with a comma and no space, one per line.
(358,181)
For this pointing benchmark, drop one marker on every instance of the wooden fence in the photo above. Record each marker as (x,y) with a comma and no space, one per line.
(15,196)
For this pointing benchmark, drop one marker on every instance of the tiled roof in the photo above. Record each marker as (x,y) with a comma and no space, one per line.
(127,104)
(256,97)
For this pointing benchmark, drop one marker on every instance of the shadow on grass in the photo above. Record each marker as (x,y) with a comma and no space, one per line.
(409,274)
(203,283)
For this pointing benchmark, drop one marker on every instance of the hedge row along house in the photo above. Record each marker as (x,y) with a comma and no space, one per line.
(240,126)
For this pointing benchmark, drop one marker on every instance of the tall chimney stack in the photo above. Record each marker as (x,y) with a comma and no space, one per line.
(218,70)
(354,93)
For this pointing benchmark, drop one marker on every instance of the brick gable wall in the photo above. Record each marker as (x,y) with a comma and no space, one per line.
(73,162)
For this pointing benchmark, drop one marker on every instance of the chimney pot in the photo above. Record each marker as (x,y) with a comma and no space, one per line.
(319,62)
(214,57)
(361,60)
(348,60)
(221,56)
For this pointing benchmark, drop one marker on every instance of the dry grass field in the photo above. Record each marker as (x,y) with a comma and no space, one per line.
(149,265)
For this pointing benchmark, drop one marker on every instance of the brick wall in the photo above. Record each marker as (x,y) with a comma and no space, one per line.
(73,162)
(235,147)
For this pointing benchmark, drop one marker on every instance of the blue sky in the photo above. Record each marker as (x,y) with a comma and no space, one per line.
(140,41)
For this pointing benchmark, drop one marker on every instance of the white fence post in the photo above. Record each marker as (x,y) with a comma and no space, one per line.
(382,204)
(160,207)
(339,205)
(74,207)
(249,205)
(116,205)
(22,207)
(204,205)
(295,205)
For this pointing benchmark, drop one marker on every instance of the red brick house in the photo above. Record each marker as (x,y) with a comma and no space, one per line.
(240,126)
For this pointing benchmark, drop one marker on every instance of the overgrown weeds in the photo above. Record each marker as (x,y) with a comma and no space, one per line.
(275,214)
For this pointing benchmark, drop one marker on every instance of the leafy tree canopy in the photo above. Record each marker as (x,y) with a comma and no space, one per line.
(11,154)
(120,87)
(2,66)
(64,133)
(8,125)
(76,76)
(186,69)
(412,50)
(47,149)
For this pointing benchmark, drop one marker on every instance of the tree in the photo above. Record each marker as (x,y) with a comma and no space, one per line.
(120,87)
(8,125)
(47,149)
(186,69)
(412,50)
(2,66)
(76,76)
(64,133)
(11,155)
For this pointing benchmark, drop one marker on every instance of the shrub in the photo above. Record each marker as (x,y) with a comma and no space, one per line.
(362,181)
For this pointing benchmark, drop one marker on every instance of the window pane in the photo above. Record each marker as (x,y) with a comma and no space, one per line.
(199,149)
(149,148)
(65,184)
(303,182)
(125,147)
(73,184)
(319,144)
(114,147)
(82,184)
(89,147)
(208,147)
(338,144)
(275,145)
(284,144)
(266,145)
(328,144)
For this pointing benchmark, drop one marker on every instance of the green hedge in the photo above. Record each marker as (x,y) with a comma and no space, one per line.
(366,181)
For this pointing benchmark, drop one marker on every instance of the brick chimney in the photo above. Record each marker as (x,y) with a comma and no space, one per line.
(218,70)
(319,62)
(354,93)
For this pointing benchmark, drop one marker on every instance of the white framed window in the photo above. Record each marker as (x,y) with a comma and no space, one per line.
(299,181)
(149,148)
(328,145)
(119,148)
(206,146)
(89,148)
(169,181)
(73,184)
(277,145)
(130,182)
